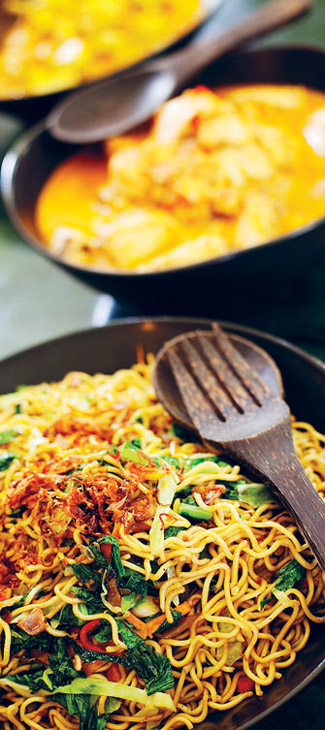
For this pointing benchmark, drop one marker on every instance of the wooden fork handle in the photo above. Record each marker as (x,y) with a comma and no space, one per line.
(271,456)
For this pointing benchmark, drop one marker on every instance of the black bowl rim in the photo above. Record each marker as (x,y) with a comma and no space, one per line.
(18,148)
(204,15)
(198,322)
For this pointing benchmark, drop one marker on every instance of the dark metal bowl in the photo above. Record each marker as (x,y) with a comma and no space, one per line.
(33,108)
(33,157)
(113,347)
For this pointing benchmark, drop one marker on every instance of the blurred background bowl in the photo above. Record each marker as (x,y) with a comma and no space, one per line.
(35,155)
(33,108)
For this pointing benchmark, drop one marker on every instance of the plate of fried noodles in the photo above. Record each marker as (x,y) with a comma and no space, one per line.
(145,582)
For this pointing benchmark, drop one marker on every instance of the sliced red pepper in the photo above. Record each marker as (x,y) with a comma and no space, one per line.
(83,636)
(106,548)
(245,684)
(113,673)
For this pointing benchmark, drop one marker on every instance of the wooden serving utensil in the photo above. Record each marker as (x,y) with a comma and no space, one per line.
(207,385)
(113,106)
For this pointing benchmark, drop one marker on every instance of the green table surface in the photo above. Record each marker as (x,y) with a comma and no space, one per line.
(40,301)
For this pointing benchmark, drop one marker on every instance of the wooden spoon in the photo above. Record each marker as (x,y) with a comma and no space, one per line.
(114,106)
(207,385)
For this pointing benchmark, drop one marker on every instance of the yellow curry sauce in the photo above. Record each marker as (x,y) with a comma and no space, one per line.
(54,44)
(213,171)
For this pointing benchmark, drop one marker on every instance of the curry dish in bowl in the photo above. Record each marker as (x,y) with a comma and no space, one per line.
(215,171)
(58,44)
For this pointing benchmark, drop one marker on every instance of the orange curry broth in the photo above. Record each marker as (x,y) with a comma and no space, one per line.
(70,195)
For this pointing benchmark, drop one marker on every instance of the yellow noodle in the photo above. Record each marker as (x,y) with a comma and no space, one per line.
(222,570)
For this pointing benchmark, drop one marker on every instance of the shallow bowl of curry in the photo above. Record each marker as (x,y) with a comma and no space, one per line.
(36,158)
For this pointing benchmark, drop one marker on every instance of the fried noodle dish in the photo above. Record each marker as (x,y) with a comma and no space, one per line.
(145,581)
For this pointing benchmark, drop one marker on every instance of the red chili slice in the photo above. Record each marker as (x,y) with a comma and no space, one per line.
(83,636)
(245,684)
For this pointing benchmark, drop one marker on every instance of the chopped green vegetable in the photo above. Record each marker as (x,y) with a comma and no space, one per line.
(6,458)
(7,436)
(167,486)
(115,560)
(288,576)
(86,574)
(84,707)
(248,492)
(101,686)
(91,599)
(129,451)
(173,531)
(60,661)
(66,618)
(20,602)
(194,512)
(155,669)
(33,679)
(128,636)
(21,640)
(163,627)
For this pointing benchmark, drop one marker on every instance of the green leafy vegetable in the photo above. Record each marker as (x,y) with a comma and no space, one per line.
(136,584)
(85,706)
(33,679)
(194,512)
(167,486)
(288,576)
(100,686)
(163,627)
(21,601)
(155,669)
(7,436)
(60,661)
(86,574)
(91,599)
(128,636)
(66,618)
(21,640)
(115,559)
(105,632)
(6,458)
(88,655)
(129,451)
(173,531)
(136,443)
(248,492)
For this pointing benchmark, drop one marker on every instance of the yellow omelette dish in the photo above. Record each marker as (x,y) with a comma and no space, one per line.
(213,171)
(55,44)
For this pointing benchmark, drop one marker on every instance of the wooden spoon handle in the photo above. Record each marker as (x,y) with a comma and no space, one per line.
(272,455)
(272,15)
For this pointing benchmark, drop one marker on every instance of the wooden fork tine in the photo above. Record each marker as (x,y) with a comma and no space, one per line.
(239,395)
(207,380)
(249,377)
(194,399)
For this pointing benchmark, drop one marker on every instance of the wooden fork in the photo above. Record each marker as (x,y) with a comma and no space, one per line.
(231,407)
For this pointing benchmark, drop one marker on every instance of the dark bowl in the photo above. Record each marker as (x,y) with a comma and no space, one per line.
(33,108)
(35,154)
(113,347)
